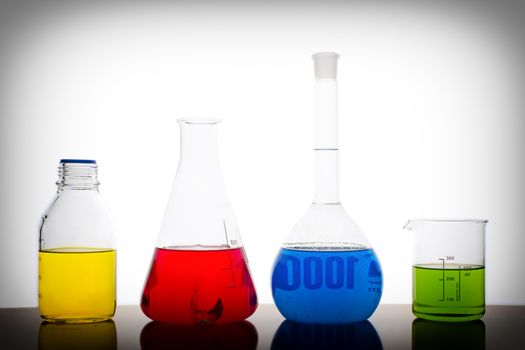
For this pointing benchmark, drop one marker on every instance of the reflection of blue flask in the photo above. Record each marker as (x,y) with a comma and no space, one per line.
(326,271)
(292,335)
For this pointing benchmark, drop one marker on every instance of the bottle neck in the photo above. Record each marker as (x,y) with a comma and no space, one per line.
(326,145)
(77,176)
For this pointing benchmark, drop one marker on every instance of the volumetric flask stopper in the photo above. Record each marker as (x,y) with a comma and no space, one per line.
(448,269)
(199,273)
(326,271)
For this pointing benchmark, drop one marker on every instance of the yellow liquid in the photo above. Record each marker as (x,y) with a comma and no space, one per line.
(76,285)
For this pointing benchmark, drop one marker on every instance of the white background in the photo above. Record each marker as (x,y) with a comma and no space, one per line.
(431,123)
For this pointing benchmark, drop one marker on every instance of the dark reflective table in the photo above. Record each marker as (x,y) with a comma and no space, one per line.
(391,327)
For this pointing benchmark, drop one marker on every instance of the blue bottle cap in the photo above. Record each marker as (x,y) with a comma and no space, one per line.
(79,161)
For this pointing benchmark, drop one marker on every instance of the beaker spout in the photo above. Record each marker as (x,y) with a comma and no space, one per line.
(409,225)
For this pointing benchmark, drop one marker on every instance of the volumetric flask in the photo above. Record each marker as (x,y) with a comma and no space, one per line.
(448,269)
(199,273)
(326,271)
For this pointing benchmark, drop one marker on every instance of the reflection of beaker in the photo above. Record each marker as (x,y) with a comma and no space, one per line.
(293,335)
(92,336)
(199,272)
(430,335)
(237,335)
(449,269)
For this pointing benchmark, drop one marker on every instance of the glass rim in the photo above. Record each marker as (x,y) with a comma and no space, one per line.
(199,121)
(449,221)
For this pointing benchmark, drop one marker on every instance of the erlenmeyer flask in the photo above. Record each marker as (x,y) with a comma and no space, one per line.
(326,271)
(199,272)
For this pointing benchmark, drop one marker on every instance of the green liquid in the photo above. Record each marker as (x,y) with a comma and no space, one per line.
(453,293)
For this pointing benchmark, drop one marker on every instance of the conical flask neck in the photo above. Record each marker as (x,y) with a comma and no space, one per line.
(198,144)
(199,167)
(198,212)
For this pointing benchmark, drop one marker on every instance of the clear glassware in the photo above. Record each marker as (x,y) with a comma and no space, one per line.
(326,271)
(77,256)
(199,273)
(448,269)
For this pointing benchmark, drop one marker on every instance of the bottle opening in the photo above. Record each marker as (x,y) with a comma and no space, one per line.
(77,174)
(78,161)
(199,121)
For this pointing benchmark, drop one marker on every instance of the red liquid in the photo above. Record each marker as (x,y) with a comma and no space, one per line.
(199,286)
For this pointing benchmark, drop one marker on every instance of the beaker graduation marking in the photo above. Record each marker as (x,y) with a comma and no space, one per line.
(445,279)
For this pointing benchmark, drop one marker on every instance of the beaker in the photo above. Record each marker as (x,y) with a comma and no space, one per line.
(448,269)
(199,273)
(326,271)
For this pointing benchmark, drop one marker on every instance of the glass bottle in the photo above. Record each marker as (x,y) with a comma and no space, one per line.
(199,273)
(77,256)
(326,271)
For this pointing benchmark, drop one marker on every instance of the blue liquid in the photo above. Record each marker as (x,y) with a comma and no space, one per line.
(329,286)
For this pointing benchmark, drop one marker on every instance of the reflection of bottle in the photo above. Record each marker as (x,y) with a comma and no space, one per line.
(92,336)
(326,271)
(293,335)
(430,335)
(199,272)
(77,250)
(237,335)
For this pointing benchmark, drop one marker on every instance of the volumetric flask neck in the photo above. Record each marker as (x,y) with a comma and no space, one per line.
(326,225)
(326,131)
(199,274)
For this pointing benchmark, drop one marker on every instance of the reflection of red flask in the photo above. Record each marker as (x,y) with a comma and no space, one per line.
(199,273)
(231,336)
